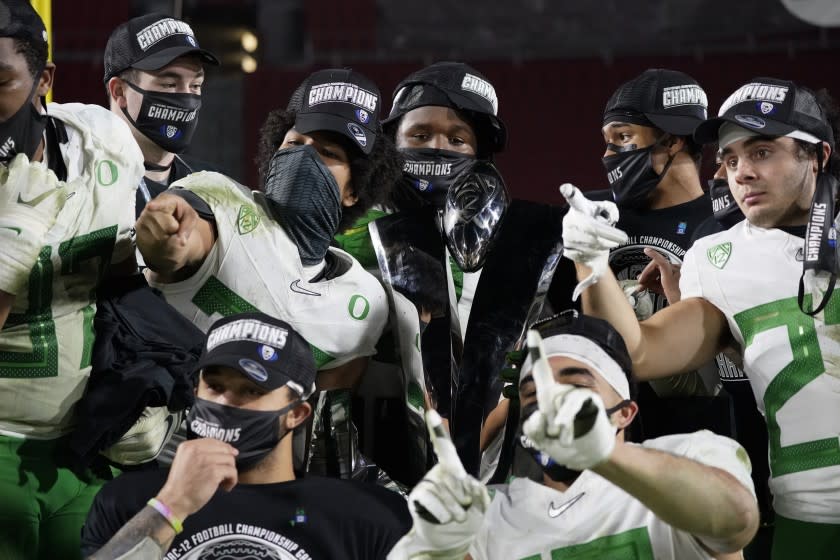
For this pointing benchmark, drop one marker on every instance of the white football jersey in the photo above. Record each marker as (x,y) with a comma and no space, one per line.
(792,360)
(47,342)
(594,518)
(255,266)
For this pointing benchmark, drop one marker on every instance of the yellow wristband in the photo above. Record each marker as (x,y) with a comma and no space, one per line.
(164,510)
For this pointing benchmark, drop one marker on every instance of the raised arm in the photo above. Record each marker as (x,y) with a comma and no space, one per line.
(173,239)
(149,533)
(677,339)
(705,501)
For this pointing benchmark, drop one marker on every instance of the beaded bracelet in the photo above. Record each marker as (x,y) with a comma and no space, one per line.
(164,510)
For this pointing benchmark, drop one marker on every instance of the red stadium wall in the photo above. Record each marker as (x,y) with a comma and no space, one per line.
(553,108)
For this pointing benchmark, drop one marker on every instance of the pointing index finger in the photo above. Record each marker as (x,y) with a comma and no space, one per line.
(540,370)
(444,448)
(576,199)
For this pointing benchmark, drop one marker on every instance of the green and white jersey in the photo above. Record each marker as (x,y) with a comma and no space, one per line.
(254,265)
(791,359)
(594,518)
(46,344)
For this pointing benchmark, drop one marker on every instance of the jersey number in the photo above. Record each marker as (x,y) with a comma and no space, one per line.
(42,360)
(806,366)
(629,545)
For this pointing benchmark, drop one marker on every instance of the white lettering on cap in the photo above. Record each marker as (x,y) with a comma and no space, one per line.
(481,87)
(689,94)
(250,330)
(343,92)
(755,91)
(162,29)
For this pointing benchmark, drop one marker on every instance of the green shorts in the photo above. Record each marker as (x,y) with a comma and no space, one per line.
(42,506)
(801,540)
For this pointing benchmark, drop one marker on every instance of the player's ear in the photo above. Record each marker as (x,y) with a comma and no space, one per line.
(348,197)
(45,79)
(675,144)
(298,415)
(116,92)
(624,416)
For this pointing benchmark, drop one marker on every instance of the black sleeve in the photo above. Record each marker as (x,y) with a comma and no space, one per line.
(198,203)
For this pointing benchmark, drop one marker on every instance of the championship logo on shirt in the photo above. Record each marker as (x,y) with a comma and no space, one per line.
(236,540)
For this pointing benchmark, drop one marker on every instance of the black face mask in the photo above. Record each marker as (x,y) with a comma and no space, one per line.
(167,119)
(631,175)
(303,196)
(727,212)
(255,433)
(22,132)
(554,470)
(431,172)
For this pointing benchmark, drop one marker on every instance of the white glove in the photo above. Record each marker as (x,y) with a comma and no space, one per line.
(447,506)
(588,234)
(145,440)
(570,423)
(31,197)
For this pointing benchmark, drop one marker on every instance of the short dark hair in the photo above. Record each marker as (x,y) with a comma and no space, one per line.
(372,176)
(35,53)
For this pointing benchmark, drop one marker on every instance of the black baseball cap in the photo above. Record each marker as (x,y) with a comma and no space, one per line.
(771,107)
(456,85)
(151,42)
(266,350)
(338,100)
(671,100)
(19,19)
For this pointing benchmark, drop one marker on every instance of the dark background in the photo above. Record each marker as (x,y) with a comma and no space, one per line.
(553,63)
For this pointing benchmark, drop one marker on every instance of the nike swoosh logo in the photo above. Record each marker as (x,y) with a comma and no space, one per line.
(295,287)
(554,511)
(35,201)
(14,229)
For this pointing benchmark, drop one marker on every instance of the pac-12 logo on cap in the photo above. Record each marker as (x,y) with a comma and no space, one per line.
(357,133)
(766,108)
(267,353)
(191,41)
(252,368)
(363,116)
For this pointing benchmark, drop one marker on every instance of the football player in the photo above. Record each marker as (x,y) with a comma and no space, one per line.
(67,178)
(676,497)
(777,142)
(215,248)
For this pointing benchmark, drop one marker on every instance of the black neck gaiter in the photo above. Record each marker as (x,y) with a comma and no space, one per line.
(303,196)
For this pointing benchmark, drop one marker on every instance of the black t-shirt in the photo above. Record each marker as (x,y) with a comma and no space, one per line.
(311,518)
(669,230)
